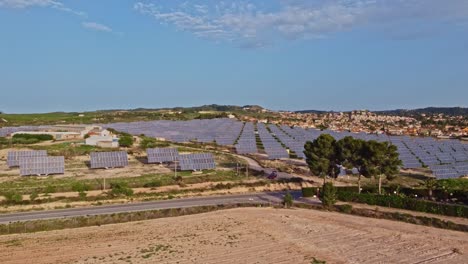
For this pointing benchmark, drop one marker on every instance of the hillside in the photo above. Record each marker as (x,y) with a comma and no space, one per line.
(130,115)
(451,111)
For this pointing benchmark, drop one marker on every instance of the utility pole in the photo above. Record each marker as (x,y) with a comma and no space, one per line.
(175,169)
(247,171)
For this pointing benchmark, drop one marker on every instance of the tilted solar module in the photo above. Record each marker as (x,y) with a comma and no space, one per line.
(41,165)
(196,161)
(160,155)
(246,147)
(113,159)
(13,157)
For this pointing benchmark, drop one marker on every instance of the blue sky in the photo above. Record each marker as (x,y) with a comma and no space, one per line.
(58,55)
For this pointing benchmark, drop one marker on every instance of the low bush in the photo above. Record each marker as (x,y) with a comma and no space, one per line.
(13,197)
(345,208)
(153,183)
(126,140)
(288,200)
(119,189)
(328,194)
(402,202)
(308,191)
(19,138)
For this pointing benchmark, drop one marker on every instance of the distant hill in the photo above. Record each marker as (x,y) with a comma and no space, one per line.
(453,111)
(212,107)
(132,115)
(314,112)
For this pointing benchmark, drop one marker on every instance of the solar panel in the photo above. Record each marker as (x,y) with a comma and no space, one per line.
(13,157)
(245,147)
(160,155)
(41,165)
(113,159)
(196,161)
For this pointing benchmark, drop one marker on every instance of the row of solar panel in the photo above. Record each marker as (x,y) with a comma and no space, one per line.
(112,159)
(195,161)
(35,162)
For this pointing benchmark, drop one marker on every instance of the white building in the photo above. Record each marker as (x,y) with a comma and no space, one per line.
(103,141)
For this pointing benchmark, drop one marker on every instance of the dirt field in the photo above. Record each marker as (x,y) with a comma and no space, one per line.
(252,235)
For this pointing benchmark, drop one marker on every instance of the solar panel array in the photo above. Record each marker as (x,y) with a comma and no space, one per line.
(41,165)
(196,161)
(113,159)
(223,131)
(247,143)
(160,155)
(13,157)
(447,157)
(272,147)
(449,171)
(414,152)
(7,131)
(294,145)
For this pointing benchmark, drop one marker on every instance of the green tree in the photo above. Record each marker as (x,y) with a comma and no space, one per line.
(126,141)
(380,158)
(431,184)
(350,154)
(328,194)
(321,156)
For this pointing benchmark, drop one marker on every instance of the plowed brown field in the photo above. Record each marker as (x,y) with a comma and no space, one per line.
(248,235)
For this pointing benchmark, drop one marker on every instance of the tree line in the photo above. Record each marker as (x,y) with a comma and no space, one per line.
(326,156)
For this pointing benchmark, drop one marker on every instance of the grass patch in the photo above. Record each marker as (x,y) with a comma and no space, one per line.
(28,185)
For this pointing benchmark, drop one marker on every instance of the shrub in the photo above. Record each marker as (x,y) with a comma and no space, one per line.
(147,142)
(13,197)
(316,261)
(118,189)
(345,208)
(126,140)
(38,137)
(328,194)
(403,202)
(308,191)
(33,196)
(81,188)
(153,183)
(50,189)
(288,200)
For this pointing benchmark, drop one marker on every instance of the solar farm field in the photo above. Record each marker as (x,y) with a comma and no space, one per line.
(444,158)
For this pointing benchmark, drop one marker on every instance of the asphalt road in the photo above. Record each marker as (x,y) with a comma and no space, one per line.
(254,165)
(266,198)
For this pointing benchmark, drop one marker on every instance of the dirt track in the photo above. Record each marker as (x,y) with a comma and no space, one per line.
(253,235)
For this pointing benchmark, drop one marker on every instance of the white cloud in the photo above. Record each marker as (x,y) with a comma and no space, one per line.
(250,24)
(27,3)
(96,26)
(20,4)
